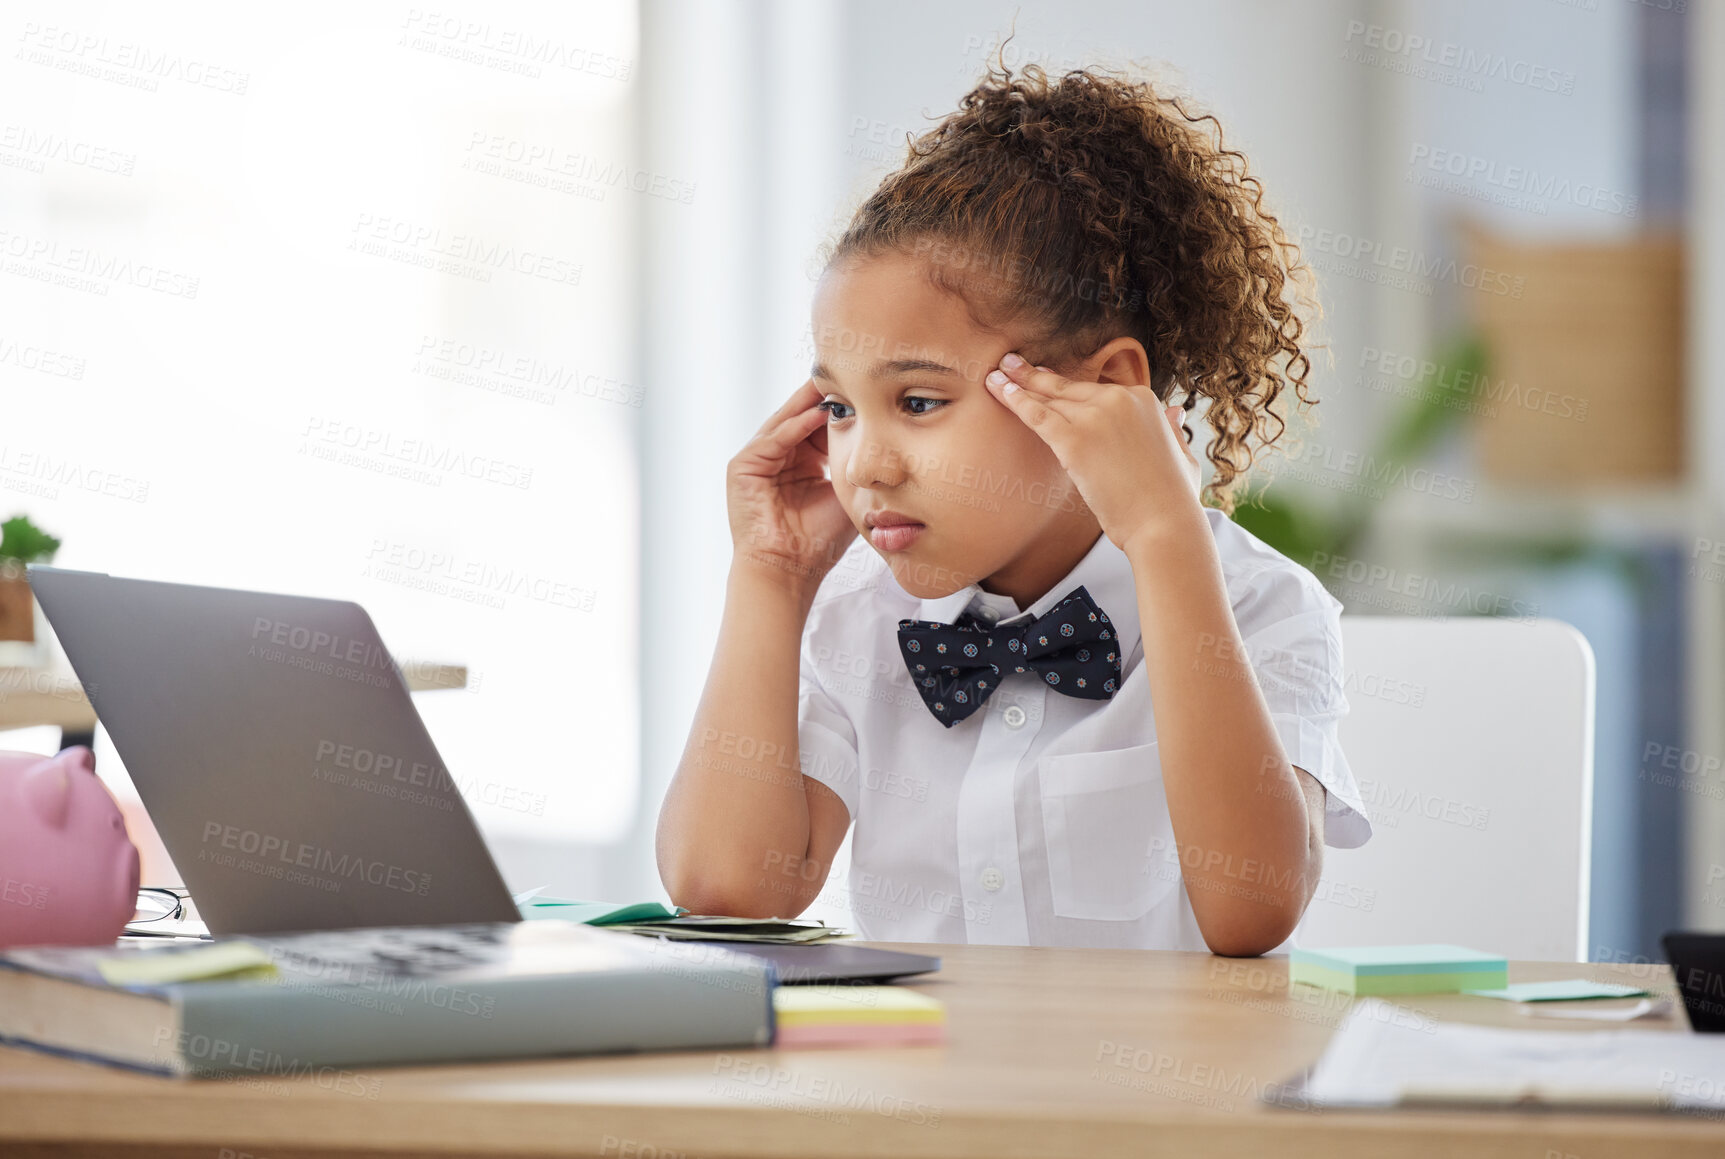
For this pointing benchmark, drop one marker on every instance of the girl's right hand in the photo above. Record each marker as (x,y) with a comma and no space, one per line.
(783,510)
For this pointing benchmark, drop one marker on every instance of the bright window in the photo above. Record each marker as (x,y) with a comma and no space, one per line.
(340,303)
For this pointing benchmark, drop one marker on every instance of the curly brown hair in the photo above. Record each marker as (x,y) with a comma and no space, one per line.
(1092,206)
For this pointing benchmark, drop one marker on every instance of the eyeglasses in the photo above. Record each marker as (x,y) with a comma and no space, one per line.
(160,903)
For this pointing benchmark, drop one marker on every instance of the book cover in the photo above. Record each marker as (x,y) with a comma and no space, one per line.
(377,996)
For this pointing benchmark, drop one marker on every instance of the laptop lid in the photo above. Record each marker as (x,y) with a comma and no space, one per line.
(276,747)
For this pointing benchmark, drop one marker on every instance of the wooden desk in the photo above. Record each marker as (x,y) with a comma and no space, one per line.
(1032,1069)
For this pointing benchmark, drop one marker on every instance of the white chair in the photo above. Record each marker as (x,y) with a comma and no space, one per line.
(1472,740)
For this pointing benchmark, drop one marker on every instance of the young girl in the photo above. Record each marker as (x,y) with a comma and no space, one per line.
(1064,700)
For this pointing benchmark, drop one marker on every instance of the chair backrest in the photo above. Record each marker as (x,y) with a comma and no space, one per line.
(1472,741)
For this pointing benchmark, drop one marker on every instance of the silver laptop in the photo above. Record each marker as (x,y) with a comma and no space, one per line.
(275,745)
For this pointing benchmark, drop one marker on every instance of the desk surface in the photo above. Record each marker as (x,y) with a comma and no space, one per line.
(1028,1071)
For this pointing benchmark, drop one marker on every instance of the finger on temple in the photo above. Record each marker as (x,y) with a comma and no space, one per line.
(804,397)
(798,427)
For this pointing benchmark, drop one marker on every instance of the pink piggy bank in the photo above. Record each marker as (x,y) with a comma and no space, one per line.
(68,872)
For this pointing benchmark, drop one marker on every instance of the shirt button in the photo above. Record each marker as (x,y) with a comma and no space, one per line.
(992,879)
(1013,716)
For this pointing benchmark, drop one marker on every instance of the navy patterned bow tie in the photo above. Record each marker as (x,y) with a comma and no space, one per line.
(958,666)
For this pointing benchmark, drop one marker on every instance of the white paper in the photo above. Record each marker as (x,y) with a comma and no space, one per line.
(1646,1008)
(1378,1059)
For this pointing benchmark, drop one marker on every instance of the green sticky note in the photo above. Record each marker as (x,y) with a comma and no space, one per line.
(227,960)
(1421,959)
(1568,990)
(1418,969)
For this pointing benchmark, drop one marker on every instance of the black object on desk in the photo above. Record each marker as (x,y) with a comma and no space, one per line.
(1698,964)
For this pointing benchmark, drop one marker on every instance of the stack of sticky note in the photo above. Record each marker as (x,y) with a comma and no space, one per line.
(856,1016)
(1398,969)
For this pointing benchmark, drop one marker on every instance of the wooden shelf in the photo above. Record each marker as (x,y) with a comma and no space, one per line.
(42,696)
(1609,514)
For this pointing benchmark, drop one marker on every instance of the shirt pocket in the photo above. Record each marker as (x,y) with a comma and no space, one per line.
(1109,837)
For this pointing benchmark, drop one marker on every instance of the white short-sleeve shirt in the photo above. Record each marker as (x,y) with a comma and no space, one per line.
(1041,818)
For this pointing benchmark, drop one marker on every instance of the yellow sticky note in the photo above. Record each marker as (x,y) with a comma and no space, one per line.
(227,960)
(863,1005)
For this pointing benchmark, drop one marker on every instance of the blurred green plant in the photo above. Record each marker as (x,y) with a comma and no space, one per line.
(1440,401)
(23,542)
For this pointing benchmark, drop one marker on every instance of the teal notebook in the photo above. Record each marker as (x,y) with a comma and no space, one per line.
(652,919)
(597,913)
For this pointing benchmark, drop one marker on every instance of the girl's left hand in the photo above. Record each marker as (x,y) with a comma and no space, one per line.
(1131,463)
